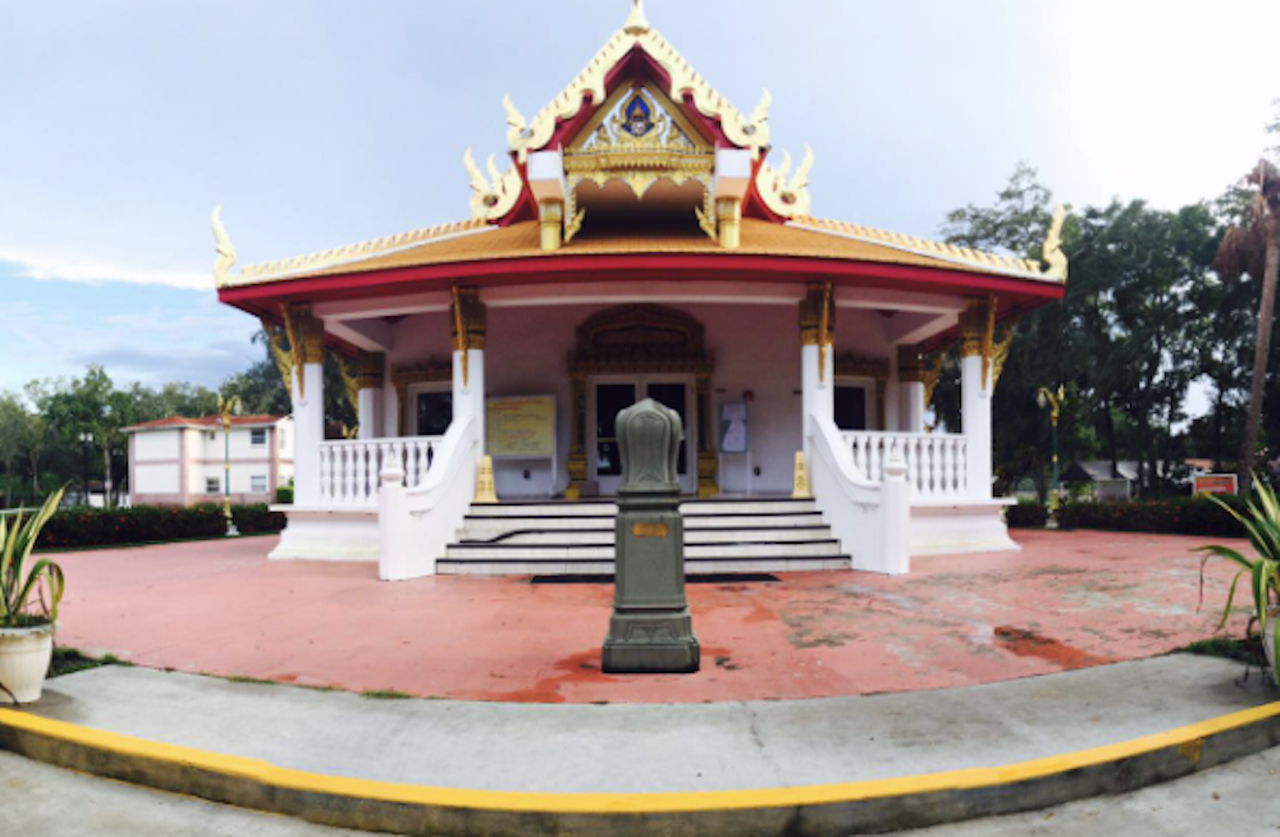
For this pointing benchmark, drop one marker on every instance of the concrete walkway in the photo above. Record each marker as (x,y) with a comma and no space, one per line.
(656,748)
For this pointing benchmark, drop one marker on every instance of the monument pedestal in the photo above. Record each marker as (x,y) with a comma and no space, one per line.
(651,630)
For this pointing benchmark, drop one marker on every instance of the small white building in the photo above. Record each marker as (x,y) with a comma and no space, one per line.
(182,461)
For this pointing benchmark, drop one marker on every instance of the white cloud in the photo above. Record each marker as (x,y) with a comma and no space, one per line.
(96,271)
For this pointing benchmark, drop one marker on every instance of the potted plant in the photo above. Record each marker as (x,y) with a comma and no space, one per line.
(1261,522)
(29,600)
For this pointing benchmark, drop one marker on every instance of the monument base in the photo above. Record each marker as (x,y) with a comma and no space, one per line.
(651,644)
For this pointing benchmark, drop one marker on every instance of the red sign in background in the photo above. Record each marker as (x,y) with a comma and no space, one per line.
(1216,484)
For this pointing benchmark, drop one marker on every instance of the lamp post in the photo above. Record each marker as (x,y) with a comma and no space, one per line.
(86,439)
(227,408)
(1053,400)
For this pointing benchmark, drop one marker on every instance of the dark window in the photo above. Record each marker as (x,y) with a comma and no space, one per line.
(258,436)
(851,408)
(435,412)
(611,399)
(674,396)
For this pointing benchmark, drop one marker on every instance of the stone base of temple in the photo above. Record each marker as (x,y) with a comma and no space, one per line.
(960,527)
(328,535)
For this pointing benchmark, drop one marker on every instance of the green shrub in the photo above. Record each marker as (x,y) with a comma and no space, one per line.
(284,494)
(84,527)
(1027,515)
(1179,516)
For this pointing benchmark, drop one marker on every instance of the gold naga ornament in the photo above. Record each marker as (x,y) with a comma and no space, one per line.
(494,196)
(226,251)
(1052,250)
(788,198)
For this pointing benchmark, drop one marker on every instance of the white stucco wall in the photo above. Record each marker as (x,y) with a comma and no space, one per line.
(155,445)
(159,478)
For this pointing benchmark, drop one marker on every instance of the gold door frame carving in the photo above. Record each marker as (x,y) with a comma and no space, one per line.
(850,365)
(641,339)
(435,370)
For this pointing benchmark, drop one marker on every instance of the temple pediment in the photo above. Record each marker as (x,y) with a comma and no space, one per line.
(639,115)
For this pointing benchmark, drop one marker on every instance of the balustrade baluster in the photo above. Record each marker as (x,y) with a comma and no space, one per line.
(326,470)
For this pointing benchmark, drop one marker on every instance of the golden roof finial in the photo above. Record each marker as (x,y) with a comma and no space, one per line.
(225,249)
(637,23)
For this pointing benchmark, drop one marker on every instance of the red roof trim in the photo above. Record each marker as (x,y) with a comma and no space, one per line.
(203,422)
(717,267)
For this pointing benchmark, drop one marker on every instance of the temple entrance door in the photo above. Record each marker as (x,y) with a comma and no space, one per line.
(611,394)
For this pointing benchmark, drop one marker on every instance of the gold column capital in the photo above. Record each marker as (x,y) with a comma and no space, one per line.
(817,315)
(973,326)
(469,320)
(371,370)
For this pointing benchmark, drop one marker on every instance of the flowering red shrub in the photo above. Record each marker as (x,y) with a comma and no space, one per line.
(145,524)
(1180,516)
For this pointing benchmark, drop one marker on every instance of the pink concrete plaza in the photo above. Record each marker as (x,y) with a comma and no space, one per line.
(1067,600)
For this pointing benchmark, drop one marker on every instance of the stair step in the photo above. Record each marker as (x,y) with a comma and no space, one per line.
(604,535)
(690,508)
(584,551)
(693,566)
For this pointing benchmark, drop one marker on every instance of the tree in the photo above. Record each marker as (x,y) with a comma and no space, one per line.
(1255,250)
(13,417)
(1041,353)
(92,406)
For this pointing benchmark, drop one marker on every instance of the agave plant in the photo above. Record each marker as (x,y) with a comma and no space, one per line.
(1261,522)
(20,587)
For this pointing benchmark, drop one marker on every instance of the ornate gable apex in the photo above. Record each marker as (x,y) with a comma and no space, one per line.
(638,65)
(636,41)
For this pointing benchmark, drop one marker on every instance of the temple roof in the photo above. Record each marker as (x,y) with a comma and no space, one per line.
(806,237)
(686,136)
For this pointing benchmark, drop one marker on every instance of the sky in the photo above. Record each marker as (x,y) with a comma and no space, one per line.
(317,123)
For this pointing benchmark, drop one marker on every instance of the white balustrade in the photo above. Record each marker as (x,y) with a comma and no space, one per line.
(350,470)
(937,463)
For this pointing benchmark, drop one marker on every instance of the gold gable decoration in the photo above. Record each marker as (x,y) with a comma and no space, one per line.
(637,138)
(751,133)
(494,196)
(786,196)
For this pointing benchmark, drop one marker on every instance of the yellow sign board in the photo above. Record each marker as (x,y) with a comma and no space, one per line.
(521,428)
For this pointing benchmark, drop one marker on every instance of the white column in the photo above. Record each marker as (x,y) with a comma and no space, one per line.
(892,416)
(370,411)
(975,417)
(308,429)
(819,390)
(911,395)
(468,395)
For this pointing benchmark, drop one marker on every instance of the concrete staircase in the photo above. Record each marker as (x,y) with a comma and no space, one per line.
(721,536)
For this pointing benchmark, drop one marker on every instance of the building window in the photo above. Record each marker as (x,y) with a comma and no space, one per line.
(258,436)
(212,485)
(851,407)
(258,484)
(433,413)
(280,433)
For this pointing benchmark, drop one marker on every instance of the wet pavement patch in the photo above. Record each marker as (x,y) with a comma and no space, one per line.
(1026,643)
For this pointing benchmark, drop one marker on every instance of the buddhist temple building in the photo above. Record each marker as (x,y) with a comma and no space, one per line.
(641,237)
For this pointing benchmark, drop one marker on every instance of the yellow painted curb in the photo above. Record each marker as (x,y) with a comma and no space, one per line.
(1188,740)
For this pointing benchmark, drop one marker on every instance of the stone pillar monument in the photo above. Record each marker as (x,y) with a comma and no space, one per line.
(651,629)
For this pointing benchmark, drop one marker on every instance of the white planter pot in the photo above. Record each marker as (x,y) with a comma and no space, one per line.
(24,660)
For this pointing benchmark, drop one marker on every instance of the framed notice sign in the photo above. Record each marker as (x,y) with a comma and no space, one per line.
(735,427)
(1215,484)
(521,428)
